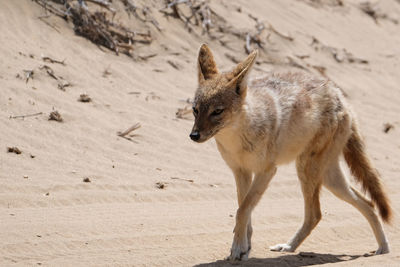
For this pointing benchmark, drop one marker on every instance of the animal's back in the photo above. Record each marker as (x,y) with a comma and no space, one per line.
(304,104)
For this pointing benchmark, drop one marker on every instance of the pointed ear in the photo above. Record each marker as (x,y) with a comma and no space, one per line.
(238,77)
(207,68)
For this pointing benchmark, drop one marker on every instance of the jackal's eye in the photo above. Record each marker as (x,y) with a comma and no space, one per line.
(217,112)
(195,111)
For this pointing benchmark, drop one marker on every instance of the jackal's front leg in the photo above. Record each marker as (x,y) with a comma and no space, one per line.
(243,183)
(240,247)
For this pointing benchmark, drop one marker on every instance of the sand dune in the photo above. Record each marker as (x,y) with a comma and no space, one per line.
(49,216)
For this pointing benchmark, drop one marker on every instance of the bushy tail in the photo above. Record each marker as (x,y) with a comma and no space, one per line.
(366,174)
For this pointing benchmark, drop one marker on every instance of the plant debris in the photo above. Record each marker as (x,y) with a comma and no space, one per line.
(376,14)
(99,26)
(62,84)
(49,71)
(174,64)
(14,149)
(55,116)
(107,72)
(387,127)
(152,96)
(193,13)
(340,55)
(184,113)
(84,98)
(129,130)
(49,59)
(86,180)
(182,179)
(27,115)
(28,75)
(161,185)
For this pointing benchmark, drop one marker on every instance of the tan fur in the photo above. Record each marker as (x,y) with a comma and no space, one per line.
(361,168)
(276,119)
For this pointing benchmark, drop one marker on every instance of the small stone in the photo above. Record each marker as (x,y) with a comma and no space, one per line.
(161,185)
(387,127)
(25,176)
(14,149)
(84,98)
(86,180)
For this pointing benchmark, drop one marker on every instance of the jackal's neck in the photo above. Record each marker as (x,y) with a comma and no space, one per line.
(237,125)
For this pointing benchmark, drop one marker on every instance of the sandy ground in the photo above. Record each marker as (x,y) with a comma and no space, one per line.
(49,216)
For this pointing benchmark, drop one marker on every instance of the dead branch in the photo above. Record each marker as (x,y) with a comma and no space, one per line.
(287,37)
(62,84)
(49,71)
(247,46)
(339,55)
(97,27)
(147,56)
(182,179)
(103,3)
(25,116)
(52,9)
(49,59)
(232,58)
(173,64)
(129,130)
(28,75)
(201,15)
(131,8)
(49,24)
(14,149)
(182,113)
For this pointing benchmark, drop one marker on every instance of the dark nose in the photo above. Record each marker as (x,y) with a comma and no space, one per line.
(195,136)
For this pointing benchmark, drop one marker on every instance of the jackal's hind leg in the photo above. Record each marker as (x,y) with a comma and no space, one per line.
(336,182)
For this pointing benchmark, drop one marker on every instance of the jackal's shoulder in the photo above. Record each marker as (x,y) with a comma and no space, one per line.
(307,96)
(281,82)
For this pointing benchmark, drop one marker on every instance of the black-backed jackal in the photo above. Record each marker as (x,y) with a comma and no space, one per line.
(269,121)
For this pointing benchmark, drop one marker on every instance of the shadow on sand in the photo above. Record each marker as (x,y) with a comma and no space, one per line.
(301,259)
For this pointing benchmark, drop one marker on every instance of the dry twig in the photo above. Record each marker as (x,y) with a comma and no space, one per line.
(49,71)
(161,185)
(27,115)
(84,98)
(183,113)
(28,75)
(387,127)
(182,179)
(14,149)
(287,37)
(129,130)
(96,26)
(55,116)
(49,59)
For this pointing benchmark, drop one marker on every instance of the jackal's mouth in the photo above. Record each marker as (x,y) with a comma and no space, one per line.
(206,136)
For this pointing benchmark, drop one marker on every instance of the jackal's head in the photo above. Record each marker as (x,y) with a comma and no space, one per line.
(219,96)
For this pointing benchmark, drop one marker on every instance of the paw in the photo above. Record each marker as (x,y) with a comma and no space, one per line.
(240,251)
(282,247)
(384,249)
